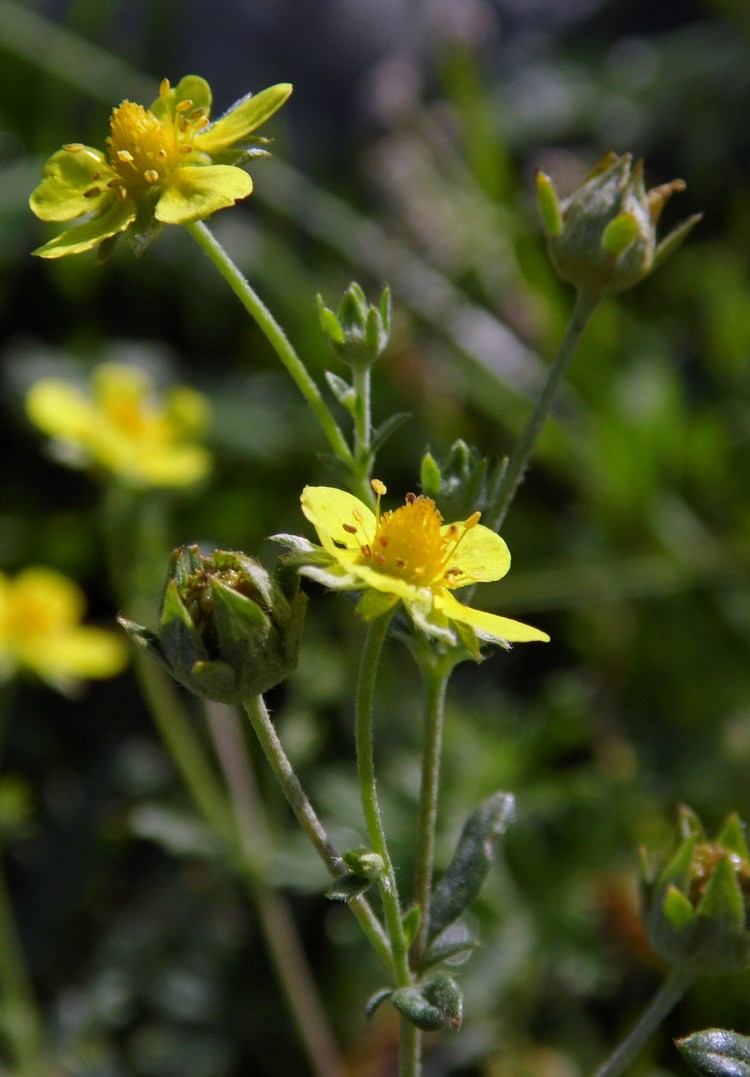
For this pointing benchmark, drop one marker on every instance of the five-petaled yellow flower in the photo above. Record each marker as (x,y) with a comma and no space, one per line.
(123,427)
(40,632)
(408,555)
(165,165)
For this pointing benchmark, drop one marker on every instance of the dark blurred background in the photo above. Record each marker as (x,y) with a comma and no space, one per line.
(406,155)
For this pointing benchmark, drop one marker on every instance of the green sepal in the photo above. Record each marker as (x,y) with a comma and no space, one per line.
(430,476)
(374,604)
(465,875)
(549,204)
(619,234)
(723,902)
(677,909)
(732,836)
(717,1052)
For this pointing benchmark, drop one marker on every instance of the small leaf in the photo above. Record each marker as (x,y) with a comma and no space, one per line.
(454,945)
(342,390)
(471,861)
(348,886)
(374,1000)
(387,428)
(717,1052)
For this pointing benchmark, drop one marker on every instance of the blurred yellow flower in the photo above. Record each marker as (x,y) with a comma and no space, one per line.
(123,427)
(408,555)
(167,164)
(40,632)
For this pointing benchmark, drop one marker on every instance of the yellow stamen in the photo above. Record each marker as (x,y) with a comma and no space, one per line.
(73,147)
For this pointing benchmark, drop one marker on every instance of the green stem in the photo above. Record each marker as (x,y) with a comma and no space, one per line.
(21,1026)
(665,999)
(436,680)
(307,818)
(368,790)
(410,1049)
(275,335)
(505,490)
(184,746)
(276,922)
(362,414)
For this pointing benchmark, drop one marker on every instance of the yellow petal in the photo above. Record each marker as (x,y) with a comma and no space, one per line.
(60,410)
(80,654)
(482,555)
(194,192)
(242,119)
(66,177)
(82,237)
(328,509)
(490,624)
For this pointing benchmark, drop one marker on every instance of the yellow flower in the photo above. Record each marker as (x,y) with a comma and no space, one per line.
(122,427)
(409,556)
(40,611)
(166,165)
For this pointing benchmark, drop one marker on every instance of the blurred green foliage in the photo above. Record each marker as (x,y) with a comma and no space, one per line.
(406,156)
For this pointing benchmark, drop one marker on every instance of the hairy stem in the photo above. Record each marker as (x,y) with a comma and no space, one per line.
(505,489)
(665,999)
(307,818)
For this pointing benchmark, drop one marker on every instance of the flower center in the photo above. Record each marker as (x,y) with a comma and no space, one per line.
(144,148)
(411,544)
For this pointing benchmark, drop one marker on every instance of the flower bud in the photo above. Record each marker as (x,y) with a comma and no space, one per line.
(696,907)
(358,333)
(603,237)
(227,631)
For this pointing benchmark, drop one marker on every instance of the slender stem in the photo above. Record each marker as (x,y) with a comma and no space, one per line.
(276,336)
(307,818)
(21,1026)
(183,744)
(277,924)
(410,1049)
(436,679)
(362,415)
(511,478)
(368,790)
(665,999)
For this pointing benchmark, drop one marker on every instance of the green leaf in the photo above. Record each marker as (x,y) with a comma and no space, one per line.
(465,875)
(454,944)
(348,886)
(411,924)
(374,1001)
(717,1052)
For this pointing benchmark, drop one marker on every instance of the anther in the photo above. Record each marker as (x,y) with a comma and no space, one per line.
(379,487)
(186,149)
(366,551)
(96,175)
(472,521)
(379,558)
(161,153)
(125,155)
(358,516)
(93,192)
(197,113)
(73,147)
(121,193)
(151,175)
(410,499)
(184,106)
(384,540)
(164,87)
(352,530)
